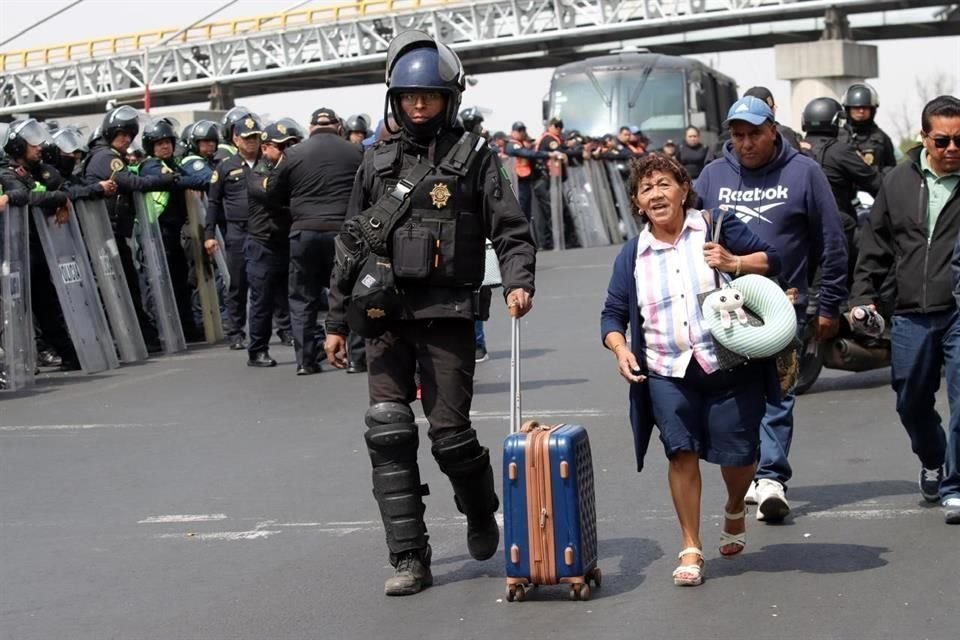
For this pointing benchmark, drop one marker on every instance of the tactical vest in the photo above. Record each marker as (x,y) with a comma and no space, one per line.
(440,239)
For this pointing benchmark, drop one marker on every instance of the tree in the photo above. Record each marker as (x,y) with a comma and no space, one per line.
(906,119)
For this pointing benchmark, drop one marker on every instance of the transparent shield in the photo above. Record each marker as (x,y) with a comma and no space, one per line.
(114,291)
(608,211)
(160,299)
(18,357)
(203,263)
(220,257)
(584,208)
(76,288)
(628,225)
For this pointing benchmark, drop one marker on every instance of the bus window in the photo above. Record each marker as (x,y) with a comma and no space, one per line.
(584,101)
(655,101)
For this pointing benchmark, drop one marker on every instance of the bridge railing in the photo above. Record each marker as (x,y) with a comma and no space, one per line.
(202,33)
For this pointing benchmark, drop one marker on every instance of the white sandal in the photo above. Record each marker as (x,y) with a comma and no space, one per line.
(737,539)
(694,572)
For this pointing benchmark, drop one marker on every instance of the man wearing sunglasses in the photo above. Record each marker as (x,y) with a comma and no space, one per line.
(913,227)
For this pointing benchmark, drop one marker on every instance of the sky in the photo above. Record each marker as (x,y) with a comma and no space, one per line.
(503,97)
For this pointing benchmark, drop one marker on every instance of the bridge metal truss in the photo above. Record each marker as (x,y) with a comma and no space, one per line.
(351,52)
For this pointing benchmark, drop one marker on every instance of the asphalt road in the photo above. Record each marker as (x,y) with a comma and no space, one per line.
(191,497)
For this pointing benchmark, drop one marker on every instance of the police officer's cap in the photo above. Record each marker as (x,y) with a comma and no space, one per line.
(279,134)
(324,117)
(518,126)
(762,93)
(247,127)
(556,122)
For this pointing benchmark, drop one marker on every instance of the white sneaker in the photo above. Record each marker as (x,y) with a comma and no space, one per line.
(751,497)
(771,501)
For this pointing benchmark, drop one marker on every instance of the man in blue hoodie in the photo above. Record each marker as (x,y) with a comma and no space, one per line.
(786,200)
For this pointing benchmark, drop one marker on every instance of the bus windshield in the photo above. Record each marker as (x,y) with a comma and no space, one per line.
(601,101)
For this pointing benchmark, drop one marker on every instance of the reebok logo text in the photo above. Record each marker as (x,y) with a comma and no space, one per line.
(729,195)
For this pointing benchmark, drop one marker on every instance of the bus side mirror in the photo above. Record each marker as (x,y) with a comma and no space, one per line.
(546,108)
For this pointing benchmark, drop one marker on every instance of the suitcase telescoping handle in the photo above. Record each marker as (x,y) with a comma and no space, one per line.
(514,375)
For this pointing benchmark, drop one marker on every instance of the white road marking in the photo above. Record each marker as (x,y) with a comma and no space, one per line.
(256,534)
(499,415)
(202,517)
(865,514)
(82,427)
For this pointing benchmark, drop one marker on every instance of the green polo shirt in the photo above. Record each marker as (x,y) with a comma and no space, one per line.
(939,190)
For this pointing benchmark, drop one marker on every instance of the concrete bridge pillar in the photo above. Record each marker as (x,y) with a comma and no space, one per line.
(822,68)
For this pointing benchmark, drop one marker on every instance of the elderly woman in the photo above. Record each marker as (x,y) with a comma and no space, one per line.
(676,383)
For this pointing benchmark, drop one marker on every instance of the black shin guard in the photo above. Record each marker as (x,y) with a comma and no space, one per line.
(467,464)
(396,485)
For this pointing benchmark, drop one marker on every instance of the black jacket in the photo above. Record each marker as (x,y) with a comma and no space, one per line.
(873,145)
(314,178)
(503,222)
(847,174)
(693,159)
(15,179)
(267,222)
(896,238)
(227,195)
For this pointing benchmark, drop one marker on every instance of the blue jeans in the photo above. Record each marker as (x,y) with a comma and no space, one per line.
(922,344)
(478,334)
(776,429)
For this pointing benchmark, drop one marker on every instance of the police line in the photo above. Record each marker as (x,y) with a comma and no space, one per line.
(84,262)
(592,196)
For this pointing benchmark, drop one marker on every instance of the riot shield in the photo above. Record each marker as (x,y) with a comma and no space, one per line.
(17,348)
(619,189)
(161,303)
(584,208)
(220,258)
(556,203)
(608,211)
(203,263)
(77,290)
(102,248)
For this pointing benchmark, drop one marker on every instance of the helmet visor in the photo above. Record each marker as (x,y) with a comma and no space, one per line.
(32,132)
(68,141)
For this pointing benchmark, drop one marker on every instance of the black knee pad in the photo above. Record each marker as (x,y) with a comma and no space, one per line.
(460,454)
(392,443)
(388,413)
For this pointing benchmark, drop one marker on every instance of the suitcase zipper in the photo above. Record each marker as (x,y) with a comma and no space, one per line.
(542,567)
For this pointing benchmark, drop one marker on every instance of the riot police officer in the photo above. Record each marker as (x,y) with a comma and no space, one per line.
(159,141)
(845,170)
(201,149)
(472,120)
(267,248)
(227,206)
(106,162)
(314,179)
(357,128)
(25,170)
(63,150)
(426,198)
(861,132)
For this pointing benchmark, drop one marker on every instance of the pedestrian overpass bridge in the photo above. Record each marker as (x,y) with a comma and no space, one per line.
(345,45)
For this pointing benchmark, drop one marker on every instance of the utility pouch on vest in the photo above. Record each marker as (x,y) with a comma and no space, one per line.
(413,252)
(482,299)
(374,302)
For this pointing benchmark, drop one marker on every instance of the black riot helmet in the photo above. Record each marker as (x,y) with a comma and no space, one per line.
(95,136)
(861,95)
(417,62)
(356,123)
(293,129)
(4,128)
(231,118)
(471,119)
(123,119)
(200,131)
(822,115)
(22,133)
(154,132)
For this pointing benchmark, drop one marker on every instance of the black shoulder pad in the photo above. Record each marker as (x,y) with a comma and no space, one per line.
(461,157)
(385,157)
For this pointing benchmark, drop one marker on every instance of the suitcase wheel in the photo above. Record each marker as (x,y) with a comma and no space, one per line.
(580,591)
(516,592)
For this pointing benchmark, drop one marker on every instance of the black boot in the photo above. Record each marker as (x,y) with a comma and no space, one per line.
(411,573)
(261,359)
(467,464)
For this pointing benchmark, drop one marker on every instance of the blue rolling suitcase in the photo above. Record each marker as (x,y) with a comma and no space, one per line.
(549,511)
